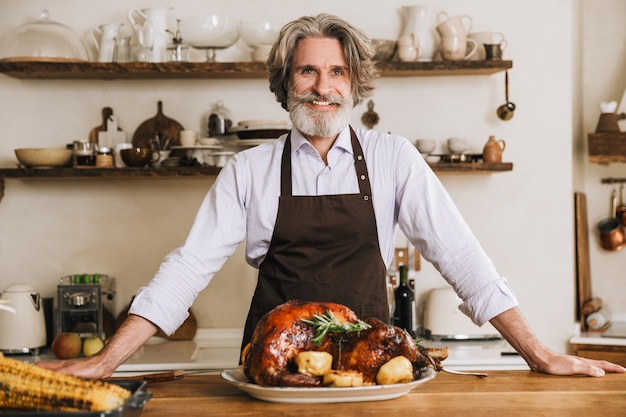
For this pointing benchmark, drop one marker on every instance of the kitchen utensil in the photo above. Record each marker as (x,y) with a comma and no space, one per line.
(106,44)
(159,126)
(456,145)
(421,21)
(492,151)
(43,157)
(457,48)
(425,146)
(505,111)
(211,32)
(445,321)
(620,211)
(25,330)
(454,26)
(470,373)
(583,267)
(370,118)
(489,38)
(107,112)
(140,157)
(152,34)
(259,33)
(612,235)
(44,39)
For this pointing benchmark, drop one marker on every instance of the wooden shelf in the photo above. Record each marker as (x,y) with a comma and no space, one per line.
(191,172)
(477,167)
(605,148)
(201,171)
(77,70)
(110,173)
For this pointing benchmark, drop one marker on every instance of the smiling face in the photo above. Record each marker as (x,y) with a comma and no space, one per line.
(320,100)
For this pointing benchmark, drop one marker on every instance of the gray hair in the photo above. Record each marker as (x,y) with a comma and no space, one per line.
(356,45)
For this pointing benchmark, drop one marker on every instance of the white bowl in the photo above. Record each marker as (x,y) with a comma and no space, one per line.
(425,145)
(456,145)
(43,157)
(259,33)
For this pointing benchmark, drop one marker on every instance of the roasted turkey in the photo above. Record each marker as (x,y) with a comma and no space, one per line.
(269,359)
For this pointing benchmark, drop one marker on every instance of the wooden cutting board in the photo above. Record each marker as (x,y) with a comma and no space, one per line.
(93,134)
(155,126)
(583,268)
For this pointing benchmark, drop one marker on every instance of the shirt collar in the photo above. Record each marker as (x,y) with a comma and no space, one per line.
(343,141)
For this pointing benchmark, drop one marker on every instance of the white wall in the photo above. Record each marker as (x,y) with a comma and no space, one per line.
(603,67)
(524,218)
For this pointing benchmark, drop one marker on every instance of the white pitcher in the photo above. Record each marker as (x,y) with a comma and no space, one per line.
(421,21)
(153,31)
(106,44)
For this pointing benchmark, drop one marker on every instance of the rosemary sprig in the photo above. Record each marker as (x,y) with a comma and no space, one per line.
(328,323)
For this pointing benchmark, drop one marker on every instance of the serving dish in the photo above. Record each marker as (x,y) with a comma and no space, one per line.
(295,395)
(260,129)
(43,157)
(131,408)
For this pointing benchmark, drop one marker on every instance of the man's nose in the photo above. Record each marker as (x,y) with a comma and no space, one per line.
(323,85)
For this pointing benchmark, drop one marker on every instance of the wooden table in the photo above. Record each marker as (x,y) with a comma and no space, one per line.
(502,393)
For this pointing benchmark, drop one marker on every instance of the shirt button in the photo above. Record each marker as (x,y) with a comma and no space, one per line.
(359,157)
(366,197)
(363,177)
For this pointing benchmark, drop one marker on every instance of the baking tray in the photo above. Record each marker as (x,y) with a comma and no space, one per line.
(132,407)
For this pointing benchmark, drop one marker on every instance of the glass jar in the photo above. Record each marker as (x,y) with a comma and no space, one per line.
(104,158)
(84,153)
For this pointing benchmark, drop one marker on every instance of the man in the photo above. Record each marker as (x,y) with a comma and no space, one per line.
(318,209)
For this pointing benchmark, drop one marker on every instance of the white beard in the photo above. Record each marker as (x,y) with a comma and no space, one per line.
(320,124)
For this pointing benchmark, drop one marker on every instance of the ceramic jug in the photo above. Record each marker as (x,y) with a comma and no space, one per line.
(152,33)
(421,20)
(107,32)
(492,151)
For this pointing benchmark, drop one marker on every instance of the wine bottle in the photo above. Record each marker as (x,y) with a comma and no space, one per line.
(405,312)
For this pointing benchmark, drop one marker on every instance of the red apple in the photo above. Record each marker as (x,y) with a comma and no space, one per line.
(67,345)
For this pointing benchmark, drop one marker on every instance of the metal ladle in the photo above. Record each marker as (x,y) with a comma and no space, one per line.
(505,111)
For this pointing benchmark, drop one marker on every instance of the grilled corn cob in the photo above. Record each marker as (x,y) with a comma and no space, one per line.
(28,387)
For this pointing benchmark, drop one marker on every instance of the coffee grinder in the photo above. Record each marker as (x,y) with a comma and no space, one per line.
(81,299)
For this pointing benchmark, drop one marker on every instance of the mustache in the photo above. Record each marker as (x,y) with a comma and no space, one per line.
(311,97)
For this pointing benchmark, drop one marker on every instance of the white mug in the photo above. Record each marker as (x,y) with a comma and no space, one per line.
(455,48)
(188,138)
(489,38)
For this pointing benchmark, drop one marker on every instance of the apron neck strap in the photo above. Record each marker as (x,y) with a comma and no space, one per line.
(359,165)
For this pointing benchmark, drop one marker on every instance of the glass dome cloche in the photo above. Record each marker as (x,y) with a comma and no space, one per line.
(43,40)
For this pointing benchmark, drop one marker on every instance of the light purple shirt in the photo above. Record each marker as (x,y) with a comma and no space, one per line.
(243,202)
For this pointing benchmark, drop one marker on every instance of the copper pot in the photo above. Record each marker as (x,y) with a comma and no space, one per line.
(612,236)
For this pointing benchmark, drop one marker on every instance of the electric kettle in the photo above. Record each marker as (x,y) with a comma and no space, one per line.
(22,321)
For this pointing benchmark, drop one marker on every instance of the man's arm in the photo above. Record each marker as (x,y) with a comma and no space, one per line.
(512,325)
(131,335)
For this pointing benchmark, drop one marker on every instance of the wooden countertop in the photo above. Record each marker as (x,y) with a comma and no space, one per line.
(502,393)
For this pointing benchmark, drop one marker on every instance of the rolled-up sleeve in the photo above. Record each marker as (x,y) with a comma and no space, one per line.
(432,222)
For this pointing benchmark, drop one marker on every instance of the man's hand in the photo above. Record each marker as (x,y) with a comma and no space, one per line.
(517,332)
(131,335)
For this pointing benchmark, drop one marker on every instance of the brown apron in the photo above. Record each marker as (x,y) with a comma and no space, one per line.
(324,248)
